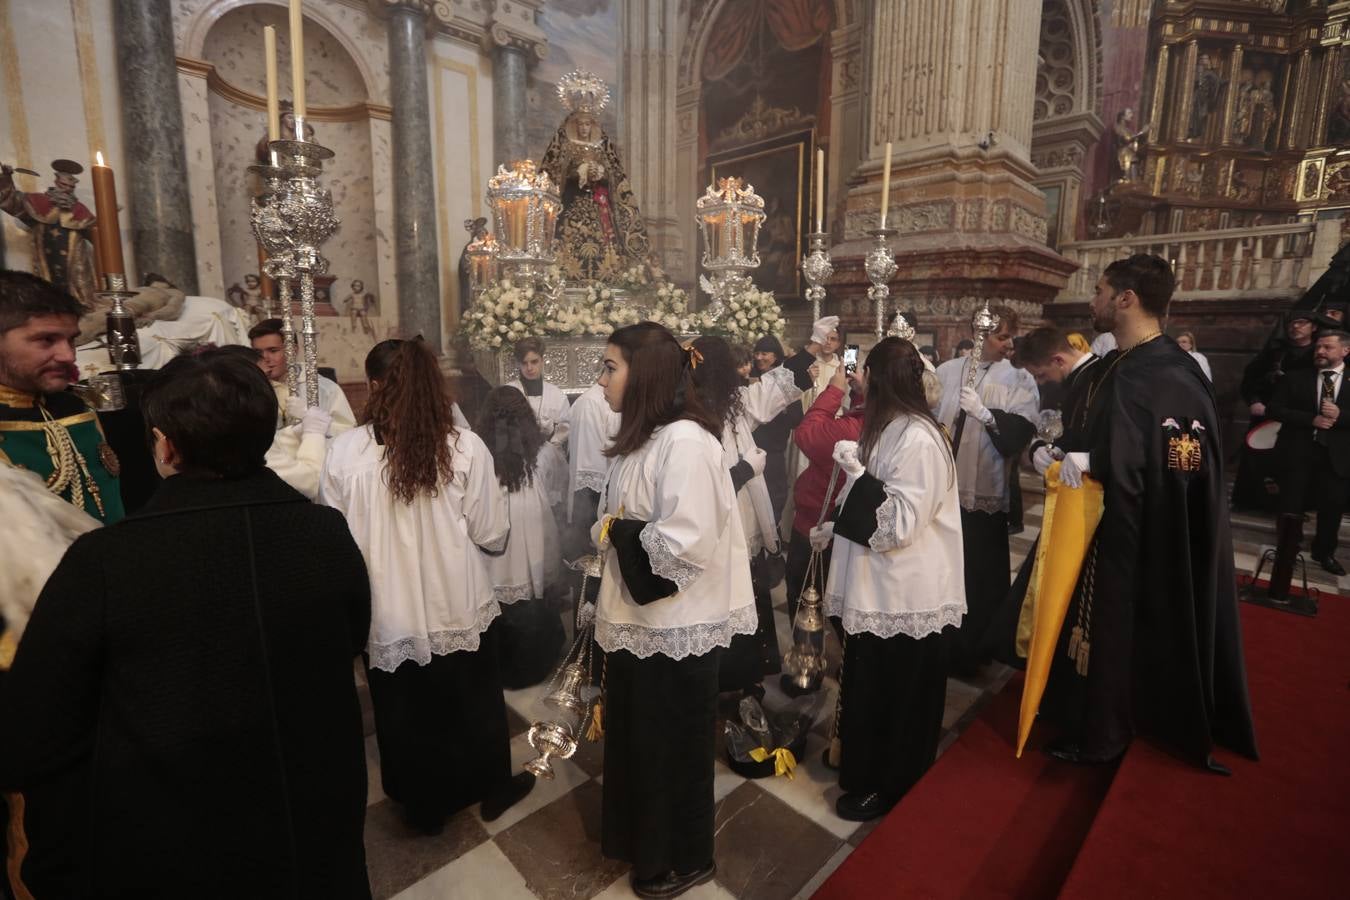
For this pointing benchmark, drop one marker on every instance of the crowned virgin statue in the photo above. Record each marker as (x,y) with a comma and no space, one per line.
(600,231)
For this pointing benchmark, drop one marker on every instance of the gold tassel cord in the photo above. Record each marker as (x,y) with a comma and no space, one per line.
(70,471)
(595,731)
(1080,639)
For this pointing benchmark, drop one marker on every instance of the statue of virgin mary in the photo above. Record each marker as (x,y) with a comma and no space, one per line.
(600,231)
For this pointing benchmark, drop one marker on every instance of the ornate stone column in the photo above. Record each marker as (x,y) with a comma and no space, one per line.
(415,247)
(647,129)
(517,41)
(951,83)
(152,133)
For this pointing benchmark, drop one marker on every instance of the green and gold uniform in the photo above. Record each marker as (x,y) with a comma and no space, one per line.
(59,437)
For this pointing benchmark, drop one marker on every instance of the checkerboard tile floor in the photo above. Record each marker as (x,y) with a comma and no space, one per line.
(775,838)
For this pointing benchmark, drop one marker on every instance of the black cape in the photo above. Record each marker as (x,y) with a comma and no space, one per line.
(1166,645)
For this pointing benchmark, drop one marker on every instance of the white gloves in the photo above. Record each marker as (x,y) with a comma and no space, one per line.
(822,536)
(1042,458)
(295,408)
(1072,470)
(846,454)
(315,421)
(822,328)
(756,457)
(970,402)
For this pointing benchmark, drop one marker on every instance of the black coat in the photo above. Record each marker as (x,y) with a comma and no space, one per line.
(1295,404)
(184,713)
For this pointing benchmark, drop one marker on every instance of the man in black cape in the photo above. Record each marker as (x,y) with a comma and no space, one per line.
(1049,357)
(1152,640)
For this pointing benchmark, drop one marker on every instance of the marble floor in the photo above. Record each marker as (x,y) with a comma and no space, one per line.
(776,838)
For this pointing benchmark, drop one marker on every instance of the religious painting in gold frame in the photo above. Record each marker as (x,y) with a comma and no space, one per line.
(780,171)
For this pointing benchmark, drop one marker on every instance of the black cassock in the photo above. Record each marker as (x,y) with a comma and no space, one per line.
(1162,621)
(1001,638)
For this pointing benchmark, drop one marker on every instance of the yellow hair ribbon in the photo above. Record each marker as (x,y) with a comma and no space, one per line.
(783,760)
(695,357)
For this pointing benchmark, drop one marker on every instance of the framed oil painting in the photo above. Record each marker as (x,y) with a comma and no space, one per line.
(780,171)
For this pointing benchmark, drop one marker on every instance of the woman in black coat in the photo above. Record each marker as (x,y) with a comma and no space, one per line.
(181,716)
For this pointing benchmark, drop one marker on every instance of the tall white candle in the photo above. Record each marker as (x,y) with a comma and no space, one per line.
(820,190)
(273,105)
(298,64)
(886,184)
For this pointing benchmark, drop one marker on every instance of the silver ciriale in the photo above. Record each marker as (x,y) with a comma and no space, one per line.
(880,267)
(817,268)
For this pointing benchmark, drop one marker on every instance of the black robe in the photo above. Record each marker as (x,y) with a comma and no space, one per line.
(1166,646)
(1256,468)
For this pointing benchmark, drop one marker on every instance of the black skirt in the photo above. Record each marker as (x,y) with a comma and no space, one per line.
(987,564)
(895,690)
(531,638)
(660,741)
(753,656)
(441,729)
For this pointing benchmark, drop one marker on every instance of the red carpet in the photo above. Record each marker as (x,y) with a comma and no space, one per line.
(981,823)
(1277,828)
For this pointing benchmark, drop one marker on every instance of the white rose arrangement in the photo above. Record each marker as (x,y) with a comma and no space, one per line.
(748,316)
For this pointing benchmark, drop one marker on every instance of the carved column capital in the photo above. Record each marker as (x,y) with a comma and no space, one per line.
(515,23)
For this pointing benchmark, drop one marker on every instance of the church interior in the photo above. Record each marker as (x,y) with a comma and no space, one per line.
(478,171)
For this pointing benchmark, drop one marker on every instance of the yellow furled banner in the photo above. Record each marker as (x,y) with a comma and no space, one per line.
(1070,520)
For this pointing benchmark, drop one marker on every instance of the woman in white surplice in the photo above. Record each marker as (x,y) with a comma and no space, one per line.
(741,409)
(421,499)
(675,589)
(897,579)
(532,471)
(549,404)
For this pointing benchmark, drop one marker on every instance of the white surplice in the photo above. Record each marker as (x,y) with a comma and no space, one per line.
(531,560)
(910,579)
(593,426)
(679,485)
(551,410)
(431,591)
(298,458)
(761,402)
(982,472)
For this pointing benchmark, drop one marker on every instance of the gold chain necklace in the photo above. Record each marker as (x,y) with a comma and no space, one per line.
(1092,391)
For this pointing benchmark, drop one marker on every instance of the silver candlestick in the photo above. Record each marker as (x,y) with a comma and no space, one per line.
(307,207)
(274,231)
(818,268)
(880,267)
(124,347)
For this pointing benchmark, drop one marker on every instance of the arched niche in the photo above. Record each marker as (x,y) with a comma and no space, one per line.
(343,119)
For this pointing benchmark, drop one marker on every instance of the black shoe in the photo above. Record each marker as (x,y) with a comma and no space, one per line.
(1329,563)
(862,807)
(673,884)
(506,797)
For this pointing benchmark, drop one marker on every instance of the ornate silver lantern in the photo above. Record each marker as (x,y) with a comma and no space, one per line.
(729,217)
(525,204)
(484,263)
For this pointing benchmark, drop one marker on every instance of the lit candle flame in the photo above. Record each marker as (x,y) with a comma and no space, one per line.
(98,157)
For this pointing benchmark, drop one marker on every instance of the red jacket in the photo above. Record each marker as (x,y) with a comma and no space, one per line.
(816,437)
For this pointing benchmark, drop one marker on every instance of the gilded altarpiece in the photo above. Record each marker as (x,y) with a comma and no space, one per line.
(1245,105)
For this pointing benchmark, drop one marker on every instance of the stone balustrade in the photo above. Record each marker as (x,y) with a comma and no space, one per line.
(1268,262)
